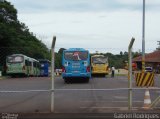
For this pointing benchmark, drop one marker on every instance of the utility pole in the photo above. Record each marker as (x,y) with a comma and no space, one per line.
(52,73)
(143,38)
(130,74)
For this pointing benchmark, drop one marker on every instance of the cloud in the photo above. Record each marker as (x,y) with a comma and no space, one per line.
(28,6)
(128,2)
(101,25)
(137,4)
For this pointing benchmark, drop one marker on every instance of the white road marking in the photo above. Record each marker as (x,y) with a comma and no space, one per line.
(127,101)
(87,101)
(120,97)
(103,107)
(122,108)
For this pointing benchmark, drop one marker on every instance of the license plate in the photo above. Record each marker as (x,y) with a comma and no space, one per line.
(76,64)
(75,71)
(75,67)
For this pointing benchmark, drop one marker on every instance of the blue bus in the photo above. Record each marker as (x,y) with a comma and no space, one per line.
(44,67)
(76,64)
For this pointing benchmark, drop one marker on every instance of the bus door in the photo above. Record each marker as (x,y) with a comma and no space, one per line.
(27,66)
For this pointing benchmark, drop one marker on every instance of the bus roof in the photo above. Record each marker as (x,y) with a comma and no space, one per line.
(98,56)
(29,58)
(76,49)
(44,60)
(34,60)
(19,55)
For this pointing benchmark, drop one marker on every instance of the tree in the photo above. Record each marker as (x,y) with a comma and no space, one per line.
(58,58)
(121,53)
(61,50)
(15,36)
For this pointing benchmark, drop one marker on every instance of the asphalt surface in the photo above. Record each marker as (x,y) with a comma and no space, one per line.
(75,97)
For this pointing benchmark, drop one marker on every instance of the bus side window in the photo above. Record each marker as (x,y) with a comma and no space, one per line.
(26,62)
(34,64)
(29,62)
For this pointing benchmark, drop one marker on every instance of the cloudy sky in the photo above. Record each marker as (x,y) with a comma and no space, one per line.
(96,25)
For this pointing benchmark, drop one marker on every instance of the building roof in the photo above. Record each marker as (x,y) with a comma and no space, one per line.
(150,57)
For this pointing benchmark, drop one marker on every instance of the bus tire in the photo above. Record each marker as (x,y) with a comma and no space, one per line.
(87,80)
(66,81)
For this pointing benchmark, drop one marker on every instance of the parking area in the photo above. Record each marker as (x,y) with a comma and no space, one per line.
(100,95)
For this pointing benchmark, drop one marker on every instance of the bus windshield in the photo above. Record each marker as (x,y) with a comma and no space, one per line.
(100,60)
(76,55)
(15,59)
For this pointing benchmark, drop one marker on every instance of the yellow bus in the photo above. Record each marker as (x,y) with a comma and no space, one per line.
(99,65)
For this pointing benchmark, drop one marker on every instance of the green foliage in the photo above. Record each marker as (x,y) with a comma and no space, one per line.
(15,36)
(58,58)
(116,60)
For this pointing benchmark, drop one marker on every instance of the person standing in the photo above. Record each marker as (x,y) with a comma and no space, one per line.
(113,71)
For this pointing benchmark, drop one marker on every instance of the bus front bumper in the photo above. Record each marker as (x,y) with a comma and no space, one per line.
(85,75)
(100,72)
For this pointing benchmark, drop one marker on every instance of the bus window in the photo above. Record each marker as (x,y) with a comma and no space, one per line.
(76,55)
(15,59)
(100,60)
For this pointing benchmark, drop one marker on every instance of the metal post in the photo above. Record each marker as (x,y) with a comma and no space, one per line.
(52,73)
(143,39)
(130,74)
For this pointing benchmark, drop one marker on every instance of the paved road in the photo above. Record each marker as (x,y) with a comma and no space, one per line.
(70,101)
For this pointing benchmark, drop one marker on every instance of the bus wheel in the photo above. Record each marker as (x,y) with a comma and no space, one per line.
(87,80)
(13,76)
(66,81)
